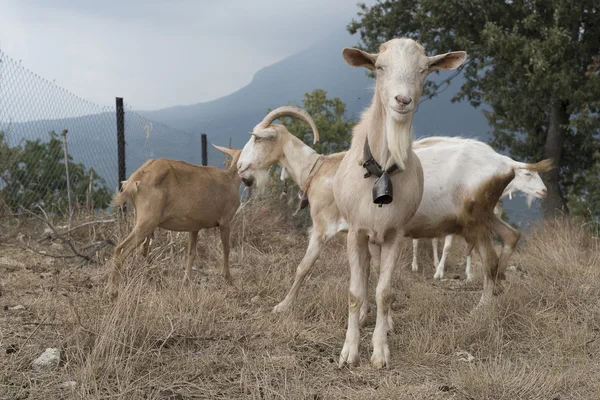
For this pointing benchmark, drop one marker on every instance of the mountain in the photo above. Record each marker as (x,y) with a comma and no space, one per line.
(174,132)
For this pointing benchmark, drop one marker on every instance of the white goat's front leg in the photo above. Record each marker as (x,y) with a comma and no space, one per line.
(375,256)
(315,245)
(436,259)
(468,270)
(415,265)
(384,297)
(439,271)
(358,259)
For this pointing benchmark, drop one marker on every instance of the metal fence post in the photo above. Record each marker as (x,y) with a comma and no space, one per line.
(121,139)
(64,135)
(204,150)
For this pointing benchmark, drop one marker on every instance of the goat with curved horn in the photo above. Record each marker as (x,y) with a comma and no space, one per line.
(288,111)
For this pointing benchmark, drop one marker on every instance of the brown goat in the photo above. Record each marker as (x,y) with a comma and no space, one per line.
(180,197)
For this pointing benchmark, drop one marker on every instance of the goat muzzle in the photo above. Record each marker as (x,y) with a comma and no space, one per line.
(248,181)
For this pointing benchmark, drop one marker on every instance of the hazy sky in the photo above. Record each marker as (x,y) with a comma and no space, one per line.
(159,53)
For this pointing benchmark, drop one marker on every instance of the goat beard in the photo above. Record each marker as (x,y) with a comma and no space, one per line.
(399,139)
(529,200)
(261,181)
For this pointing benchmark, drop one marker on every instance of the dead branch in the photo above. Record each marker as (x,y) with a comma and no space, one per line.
(58,235)
(96,249)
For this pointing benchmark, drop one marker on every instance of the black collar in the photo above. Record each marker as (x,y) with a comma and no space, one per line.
(372,166)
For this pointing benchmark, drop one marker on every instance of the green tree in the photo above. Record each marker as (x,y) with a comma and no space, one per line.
(34,173)
(533,61)
(335,130)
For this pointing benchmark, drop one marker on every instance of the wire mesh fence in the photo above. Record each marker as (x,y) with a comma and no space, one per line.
(42,125)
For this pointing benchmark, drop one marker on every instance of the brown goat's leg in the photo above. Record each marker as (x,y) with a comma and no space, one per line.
(192,242)
(225,242)
(131,242)
(146,245)
(315,246)
(509,237)
(490,269)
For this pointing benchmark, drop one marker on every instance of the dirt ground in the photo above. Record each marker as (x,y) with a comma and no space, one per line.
(161,340)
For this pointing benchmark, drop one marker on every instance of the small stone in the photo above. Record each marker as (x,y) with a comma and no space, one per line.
(255,299)
(16,308)
(56,246)
(68,384)
(464,356)
(50,358)
(512,268)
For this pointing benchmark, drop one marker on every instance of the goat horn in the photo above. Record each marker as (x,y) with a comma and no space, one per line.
(291,111)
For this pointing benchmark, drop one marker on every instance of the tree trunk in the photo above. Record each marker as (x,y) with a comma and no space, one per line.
(555,203)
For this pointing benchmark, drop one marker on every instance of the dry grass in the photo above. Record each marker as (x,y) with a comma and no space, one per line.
(159,340)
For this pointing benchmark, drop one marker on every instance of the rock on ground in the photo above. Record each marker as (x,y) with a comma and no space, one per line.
(50,358)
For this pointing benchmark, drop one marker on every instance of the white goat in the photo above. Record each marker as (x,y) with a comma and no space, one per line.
(272,144)
(181,197)
(527,180)
(385,132)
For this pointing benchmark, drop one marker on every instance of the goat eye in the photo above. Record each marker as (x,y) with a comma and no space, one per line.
(423,70)
(379,68)
(257,138)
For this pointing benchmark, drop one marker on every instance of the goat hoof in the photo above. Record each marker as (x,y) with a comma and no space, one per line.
(381,358)
(348,357)
(281,307)
(439,276)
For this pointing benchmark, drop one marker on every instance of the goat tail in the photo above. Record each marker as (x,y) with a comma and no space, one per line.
(128,191)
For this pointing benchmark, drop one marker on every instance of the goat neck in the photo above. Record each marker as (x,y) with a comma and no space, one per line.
(298,158)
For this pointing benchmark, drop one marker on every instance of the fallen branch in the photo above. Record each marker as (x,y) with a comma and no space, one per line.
(96,249)
(101,221)
(58,235)
(50,255)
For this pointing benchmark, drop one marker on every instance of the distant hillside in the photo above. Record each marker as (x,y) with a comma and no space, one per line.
(234,115)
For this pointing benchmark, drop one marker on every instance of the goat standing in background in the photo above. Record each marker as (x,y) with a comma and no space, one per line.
(483,164)
(180,197)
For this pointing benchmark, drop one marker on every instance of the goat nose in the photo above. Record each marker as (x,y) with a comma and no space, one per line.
(404,100)
(241,167)
(544,192)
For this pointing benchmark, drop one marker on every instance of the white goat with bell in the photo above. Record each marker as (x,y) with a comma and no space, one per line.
(377,208)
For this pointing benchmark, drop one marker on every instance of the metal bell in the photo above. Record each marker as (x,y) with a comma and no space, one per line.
(382,190)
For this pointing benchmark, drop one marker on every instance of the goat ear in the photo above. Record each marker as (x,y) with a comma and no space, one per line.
(451,60)
(359,58)
(265,133)
(229,152)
